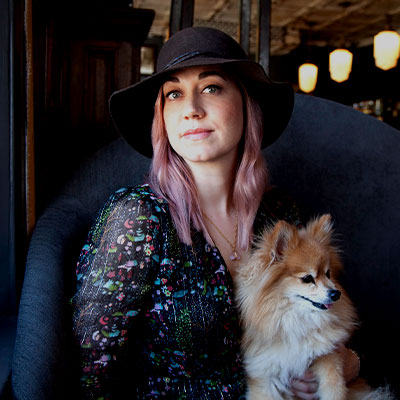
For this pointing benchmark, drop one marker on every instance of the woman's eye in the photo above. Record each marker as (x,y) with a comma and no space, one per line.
(211,89)
(172,95)
(308,279)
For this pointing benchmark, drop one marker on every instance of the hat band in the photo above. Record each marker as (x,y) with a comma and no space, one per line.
(188,56)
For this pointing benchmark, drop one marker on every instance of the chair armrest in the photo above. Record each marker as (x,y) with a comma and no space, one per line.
(43,353)
(8,326)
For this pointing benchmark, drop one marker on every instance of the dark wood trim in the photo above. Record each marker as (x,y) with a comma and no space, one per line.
(181,15)
(245,25)
(8,193)
(30,143)
(264,33)
(187,14)
(175,16)
(18,116)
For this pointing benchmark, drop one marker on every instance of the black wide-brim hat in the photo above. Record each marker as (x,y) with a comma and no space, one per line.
(132,108)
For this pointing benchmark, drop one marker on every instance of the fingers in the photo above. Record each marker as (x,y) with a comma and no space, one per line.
(305,387)
(306,396)
(308,376)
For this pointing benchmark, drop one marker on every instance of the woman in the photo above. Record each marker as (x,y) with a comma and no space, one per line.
(154,312)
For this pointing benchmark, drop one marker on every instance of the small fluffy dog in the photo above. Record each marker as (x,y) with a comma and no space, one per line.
(295,314)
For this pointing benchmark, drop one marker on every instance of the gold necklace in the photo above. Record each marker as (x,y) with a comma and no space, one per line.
(235,255)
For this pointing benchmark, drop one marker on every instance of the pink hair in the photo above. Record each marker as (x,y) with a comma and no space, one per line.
(171,178)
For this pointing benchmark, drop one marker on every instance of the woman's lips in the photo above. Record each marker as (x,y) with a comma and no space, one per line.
(197,134)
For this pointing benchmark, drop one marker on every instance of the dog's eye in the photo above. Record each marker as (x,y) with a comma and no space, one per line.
(308,279)
(328,274)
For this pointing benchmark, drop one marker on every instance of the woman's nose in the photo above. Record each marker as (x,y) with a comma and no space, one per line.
(193,108)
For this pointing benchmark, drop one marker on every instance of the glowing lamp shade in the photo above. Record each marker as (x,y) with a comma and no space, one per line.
(386,49)
(340,61)
(308,74)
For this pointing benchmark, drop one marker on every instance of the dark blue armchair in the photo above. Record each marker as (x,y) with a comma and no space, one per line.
(330,158)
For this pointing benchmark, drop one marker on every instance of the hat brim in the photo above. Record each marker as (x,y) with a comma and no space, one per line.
(132,108)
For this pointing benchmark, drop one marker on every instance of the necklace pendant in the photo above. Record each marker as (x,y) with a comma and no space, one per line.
(234,256)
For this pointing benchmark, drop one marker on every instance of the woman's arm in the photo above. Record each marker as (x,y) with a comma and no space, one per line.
(114,274)
(306,386)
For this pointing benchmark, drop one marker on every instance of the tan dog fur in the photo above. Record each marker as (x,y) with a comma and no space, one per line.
(292,322)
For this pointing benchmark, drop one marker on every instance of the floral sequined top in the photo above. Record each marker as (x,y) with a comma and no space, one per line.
(154,317)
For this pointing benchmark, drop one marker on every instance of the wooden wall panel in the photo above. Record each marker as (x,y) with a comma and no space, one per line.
(99,82)
(77,67)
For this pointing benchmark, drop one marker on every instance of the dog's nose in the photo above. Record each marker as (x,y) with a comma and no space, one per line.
(334,294)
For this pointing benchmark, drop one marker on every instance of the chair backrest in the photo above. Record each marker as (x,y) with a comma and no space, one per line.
(330,158)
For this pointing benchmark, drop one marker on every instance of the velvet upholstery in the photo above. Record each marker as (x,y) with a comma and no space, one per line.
(330,158)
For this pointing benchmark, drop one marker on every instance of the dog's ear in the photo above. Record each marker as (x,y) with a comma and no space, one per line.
(321,228)
(281,236)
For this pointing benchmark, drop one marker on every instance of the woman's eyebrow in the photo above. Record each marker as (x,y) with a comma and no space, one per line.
(205,74)
(202,75)
(172,79)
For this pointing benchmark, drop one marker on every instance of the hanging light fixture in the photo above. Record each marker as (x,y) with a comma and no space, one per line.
(308,74)
(386,49)
(340,61)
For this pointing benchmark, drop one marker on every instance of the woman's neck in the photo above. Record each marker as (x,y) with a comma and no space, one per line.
(214,185)
(214,182)
(220,217)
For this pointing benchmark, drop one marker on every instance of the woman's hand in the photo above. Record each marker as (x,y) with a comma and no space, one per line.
(306,386)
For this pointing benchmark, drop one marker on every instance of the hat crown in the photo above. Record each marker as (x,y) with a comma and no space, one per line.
(198,42)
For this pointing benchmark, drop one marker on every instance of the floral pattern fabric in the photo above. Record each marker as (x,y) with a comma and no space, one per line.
(154,317)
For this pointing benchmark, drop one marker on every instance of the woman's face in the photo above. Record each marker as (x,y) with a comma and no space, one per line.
(203,114)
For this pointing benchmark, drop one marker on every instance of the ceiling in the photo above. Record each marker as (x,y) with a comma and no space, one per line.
(317,22)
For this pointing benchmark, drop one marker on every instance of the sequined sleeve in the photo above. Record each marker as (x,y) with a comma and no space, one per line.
(114,275)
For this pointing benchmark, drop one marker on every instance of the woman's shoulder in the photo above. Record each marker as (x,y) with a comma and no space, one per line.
(137,203)
(140,195)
